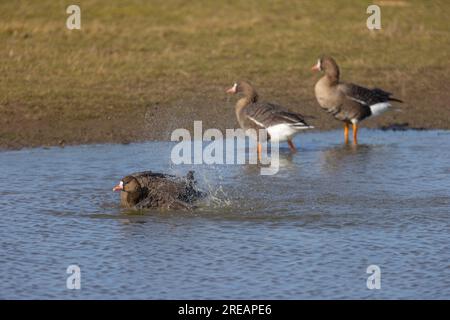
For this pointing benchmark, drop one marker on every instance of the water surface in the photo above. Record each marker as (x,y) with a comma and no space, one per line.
(309,231)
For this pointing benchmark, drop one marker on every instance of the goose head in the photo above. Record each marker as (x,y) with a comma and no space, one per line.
(244,88)
(327,65)
(131,191)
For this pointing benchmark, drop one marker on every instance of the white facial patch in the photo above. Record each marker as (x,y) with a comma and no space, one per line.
(121,184)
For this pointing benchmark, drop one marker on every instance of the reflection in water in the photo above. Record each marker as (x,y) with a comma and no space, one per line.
(335,158)
(285,162)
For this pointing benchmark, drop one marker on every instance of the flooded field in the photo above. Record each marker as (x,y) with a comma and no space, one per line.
(309,231)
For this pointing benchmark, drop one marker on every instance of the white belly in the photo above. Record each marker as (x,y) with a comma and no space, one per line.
(282,132)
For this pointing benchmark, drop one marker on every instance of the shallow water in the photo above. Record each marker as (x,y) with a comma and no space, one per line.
(309,231)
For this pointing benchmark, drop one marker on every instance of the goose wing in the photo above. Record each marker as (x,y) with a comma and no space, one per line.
(266,115)
(366,96)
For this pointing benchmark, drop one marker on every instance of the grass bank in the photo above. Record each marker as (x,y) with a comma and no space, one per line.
(139,69)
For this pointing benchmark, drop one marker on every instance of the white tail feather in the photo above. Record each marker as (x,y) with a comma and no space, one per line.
(379,108)
(283,132)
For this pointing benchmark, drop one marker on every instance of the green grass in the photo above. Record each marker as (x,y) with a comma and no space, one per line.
(181,55)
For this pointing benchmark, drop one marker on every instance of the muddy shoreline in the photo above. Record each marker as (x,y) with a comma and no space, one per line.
(156,123)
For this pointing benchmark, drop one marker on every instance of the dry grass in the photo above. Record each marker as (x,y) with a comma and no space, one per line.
(139,69)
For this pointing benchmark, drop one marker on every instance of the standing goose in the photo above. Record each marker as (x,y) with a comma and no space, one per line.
(157,190)
(280,123)
(348,102)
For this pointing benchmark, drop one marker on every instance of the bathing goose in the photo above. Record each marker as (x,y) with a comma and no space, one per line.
(280,123)
(157,190)
(348,102)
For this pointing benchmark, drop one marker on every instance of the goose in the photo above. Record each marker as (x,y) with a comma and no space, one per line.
(280,123)
(149,189)
(348,102)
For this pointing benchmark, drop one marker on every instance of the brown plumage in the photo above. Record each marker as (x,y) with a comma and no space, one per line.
(157,190)
(280,123)
(348,102)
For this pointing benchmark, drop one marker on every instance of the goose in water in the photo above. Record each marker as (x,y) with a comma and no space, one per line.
(157,190)
(280,123)
(348,102)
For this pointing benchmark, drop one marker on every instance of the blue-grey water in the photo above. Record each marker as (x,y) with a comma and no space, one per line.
(309,231)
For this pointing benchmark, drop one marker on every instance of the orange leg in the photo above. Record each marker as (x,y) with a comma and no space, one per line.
(291,146)
(355,133)
(346,128)
(259,151)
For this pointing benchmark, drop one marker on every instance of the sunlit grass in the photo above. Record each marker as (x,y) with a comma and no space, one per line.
(131,55)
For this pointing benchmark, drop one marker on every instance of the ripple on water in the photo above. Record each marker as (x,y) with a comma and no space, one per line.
(308,232)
